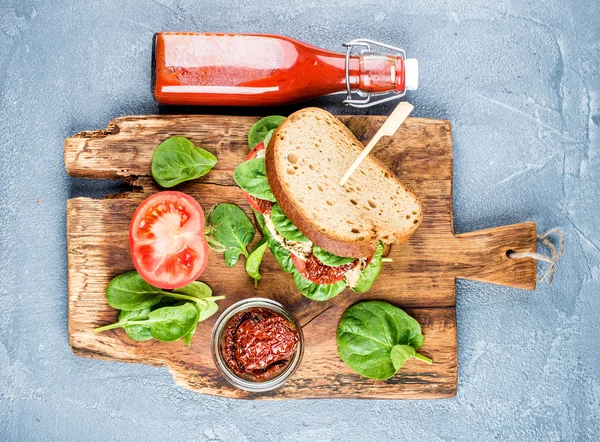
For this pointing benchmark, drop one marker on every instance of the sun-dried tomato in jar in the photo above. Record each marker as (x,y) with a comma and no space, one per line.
(258,343)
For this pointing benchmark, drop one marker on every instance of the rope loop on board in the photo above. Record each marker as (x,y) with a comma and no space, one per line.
(555,252)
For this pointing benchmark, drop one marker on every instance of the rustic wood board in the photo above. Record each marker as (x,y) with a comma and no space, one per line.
(421,278)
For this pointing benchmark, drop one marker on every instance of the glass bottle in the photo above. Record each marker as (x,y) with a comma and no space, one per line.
(268,70)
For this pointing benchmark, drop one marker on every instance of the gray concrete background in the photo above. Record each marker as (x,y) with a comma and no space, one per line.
(520,82)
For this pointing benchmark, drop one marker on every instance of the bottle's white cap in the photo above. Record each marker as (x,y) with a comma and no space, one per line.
(411,74)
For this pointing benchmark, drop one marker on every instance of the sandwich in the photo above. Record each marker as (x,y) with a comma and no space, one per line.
(329,237)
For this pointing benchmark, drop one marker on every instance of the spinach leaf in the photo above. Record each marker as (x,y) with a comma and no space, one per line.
(284,226)
(268,137)
(260,219)
(252,178)
(129,291)
(281,254)
(204,313)
(369,275)
(206,303)
(172,323)
(136,332)
(400,354)
(329,259)
(187,338)
(200,291)
(212,308)
(229,230)
(262,127)
(254,260)
(376,338)
(318,292)
(176,160)
(203,297)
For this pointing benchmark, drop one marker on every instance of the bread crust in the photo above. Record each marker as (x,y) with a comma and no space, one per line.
(354,249)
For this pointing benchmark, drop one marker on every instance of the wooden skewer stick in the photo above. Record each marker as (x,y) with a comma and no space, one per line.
(388,129)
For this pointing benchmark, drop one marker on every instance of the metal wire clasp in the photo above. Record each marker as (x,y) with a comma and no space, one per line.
(365,101)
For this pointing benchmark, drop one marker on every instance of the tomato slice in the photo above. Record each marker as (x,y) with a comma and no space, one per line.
(319,273)
(260,205)
(166,240)
(252,154)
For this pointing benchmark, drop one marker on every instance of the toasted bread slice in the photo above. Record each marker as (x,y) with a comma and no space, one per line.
(305,159)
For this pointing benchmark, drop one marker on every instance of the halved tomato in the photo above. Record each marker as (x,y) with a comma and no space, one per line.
(319,273)
(166,240)
(260,205)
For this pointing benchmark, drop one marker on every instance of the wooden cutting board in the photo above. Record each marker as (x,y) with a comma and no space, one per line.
(421,278)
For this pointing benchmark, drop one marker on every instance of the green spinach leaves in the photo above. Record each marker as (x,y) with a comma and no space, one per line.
(254,260)
(268,137)
(376,338)
(176,160)
(251,176)
(369,275)
(329,259)
(263,129)
(281,254)
(149,312)
(136,332)
(318,292)
(172,323)
(229,230)
(285,227)
(129,291)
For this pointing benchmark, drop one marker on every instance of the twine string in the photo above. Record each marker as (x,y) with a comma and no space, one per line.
(555,253)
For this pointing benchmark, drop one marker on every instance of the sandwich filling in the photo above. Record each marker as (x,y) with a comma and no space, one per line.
(302,250)
(310,266)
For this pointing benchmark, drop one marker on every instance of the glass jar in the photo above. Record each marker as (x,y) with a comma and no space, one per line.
(218,336)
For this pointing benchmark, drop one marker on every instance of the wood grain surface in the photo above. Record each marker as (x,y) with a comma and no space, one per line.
(421,278)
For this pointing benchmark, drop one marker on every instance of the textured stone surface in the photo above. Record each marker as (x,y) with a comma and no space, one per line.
(520,83)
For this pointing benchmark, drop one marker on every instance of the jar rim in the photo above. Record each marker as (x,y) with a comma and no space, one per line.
(219,361)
